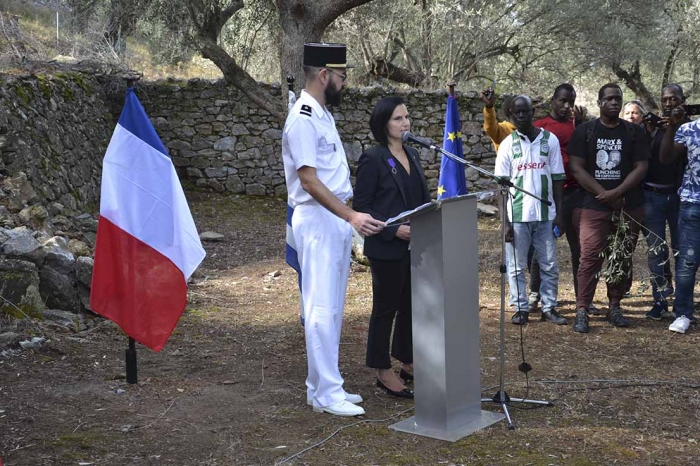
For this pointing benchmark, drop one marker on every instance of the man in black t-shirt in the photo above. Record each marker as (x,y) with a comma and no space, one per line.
(661,206)
(608,157)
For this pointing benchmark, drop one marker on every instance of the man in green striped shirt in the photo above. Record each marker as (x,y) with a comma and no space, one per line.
(531,159)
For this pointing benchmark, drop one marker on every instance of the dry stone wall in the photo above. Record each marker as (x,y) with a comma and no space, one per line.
(219,140)
(54,129)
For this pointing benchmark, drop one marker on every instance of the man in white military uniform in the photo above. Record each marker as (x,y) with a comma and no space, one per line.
(318,184)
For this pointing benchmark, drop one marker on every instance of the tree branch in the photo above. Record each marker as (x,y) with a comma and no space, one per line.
(330,10)
(670,60)
(235,75)
(209,19)
(633,80)
(382,68)
(411,60)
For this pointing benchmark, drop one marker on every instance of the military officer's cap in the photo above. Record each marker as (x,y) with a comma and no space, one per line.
(323,55)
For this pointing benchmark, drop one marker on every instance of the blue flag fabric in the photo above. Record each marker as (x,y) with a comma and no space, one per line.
(291,256)
(452,181)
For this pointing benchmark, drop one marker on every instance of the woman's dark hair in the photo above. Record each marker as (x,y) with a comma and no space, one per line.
(380,117)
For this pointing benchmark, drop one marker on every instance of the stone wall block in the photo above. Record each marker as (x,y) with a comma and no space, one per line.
(226,144)
(59,290)
(58,256)
(234,184)
(255,189)
(19,285)
(194,172)
(22,245)
(215,172)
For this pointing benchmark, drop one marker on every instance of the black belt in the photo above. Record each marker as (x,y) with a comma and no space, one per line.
(655,190)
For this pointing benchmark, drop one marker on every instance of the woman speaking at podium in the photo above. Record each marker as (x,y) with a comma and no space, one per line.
(389,181)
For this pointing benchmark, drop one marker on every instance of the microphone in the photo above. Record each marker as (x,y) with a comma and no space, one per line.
(407,136)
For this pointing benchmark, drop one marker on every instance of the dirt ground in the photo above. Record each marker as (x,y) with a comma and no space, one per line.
(228,389)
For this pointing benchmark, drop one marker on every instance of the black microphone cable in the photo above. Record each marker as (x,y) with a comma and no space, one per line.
(524,366)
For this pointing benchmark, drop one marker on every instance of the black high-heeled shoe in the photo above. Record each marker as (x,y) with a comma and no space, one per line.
(405,393)
(406,376)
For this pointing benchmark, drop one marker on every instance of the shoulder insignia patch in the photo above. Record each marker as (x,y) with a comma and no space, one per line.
(305,110)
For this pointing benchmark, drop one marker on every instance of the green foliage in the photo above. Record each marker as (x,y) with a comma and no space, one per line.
(44,85)
(618,251)
(527,46)
(25,93)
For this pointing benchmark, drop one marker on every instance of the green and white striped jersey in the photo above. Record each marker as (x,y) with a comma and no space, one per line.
(531,166)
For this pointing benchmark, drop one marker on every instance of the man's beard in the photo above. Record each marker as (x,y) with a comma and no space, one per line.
(332,94)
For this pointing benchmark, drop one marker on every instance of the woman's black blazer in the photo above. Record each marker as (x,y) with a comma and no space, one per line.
(380,193)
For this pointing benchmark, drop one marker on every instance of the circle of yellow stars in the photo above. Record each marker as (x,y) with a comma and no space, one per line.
(452,136)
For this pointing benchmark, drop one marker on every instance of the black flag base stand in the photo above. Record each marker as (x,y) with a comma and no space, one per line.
(131,372)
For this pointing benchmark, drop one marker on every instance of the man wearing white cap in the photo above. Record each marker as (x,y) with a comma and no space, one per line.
(318,184)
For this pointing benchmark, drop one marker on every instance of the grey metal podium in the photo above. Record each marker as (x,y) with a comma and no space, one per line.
(445,294)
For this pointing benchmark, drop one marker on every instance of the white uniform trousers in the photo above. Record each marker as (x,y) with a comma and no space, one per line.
(323,243)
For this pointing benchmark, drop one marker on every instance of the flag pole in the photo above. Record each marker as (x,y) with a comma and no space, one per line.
(130,353)
(451,88)
(131,367)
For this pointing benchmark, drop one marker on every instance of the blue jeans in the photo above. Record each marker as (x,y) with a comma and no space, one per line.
(660,209)
(540,236)
(688,257)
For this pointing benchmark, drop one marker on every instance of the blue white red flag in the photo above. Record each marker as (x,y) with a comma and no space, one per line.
(147,243)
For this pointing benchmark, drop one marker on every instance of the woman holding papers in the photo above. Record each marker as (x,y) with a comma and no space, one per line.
(390,180)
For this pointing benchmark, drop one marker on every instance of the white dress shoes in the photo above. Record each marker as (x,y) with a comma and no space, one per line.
(351,397)
(343,408)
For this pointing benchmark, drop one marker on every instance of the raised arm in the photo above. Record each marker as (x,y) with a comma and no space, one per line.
(669,151)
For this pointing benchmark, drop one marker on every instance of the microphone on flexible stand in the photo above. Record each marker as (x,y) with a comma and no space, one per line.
(407,136)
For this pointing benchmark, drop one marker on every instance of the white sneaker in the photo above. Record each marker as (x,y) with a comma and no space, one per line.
(351,397)
(344,408)
(680,325)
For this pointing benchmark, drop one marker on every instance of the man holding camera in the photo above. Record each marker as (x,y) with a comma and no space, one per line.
(661,205)
(681,141)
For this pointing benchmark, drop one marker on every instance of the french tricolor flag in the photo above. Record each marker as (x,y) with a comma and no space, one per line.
(147,243)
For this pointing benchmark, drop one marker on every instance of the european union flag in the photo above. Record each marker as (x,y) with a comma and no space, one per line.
(452,181)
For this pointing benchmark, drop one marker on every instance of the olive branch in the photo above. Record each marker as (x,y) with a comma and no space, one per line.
(618,252)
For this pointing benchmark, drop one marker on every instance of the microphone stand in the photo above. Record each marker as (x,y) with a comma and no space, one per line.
(501,397)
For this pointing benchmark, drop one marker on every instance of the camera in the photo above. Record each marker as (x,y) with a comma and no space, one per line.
(491,89)
(657,121)
(654,120)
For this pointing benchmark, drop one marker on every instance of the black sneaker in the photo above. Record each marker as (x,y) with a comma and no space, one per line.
(581,321)
(594,310)
(658,311)
(520,318)
(554,317)
(616,318)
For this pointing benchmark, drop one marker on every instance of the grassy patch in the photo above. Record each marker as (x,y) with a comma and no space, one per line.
(83,440)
